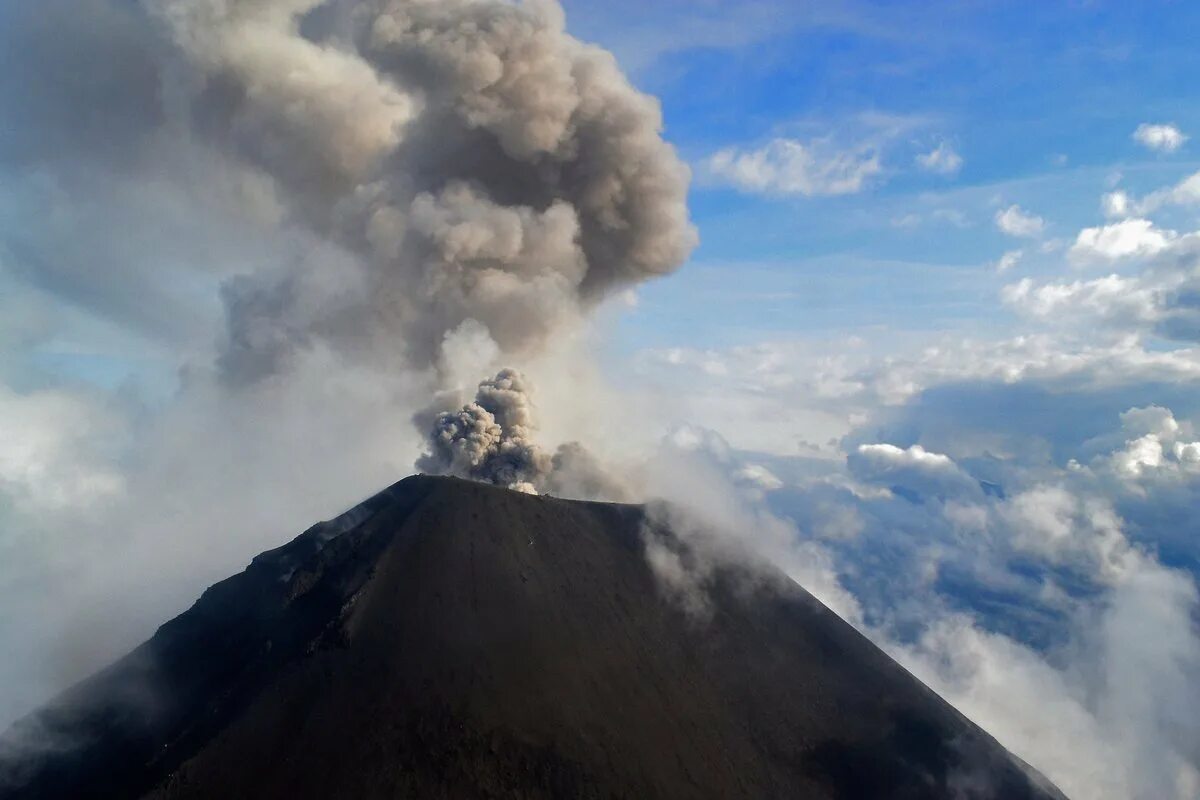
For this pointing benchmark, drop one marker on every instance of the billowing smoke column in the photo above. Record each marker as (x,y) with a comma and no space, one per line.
(475,163)
(471,172)
(490,439)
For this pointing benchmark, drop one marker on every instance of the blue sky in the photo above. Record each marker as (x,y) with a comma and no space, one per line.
(1039,101)
(936,354)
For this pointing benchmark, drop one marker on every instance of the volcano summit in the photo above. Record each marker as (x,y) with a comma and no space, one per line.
(451,639)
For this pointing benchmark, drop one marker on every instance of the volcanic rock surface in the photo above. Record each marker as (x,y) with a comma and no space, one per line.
(448,639)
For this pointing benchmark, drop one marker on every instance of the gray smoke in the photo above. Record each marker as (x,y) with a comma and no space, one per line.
(480,174)
(477,162)
(492,439)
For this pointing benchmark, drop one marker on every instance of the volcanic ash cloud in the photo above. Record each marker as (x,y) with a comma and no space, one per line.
(492,439)
(473,160)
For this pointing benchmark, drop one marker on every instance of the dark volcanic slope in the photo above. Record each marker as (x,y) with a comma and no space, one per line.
(458,640)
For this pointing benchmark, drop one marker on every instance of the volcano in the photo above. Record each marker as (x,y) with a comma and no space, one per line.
(448,639)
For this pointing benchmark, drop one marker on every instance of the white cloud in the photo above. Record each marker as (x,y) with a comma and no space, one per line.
(1188,453)
(1125,239)
(1139,456)
(952,216)
(759,476)
(1163,138)
(1184,193)
(54,450)
(713,511)
(1104,719)
(1154,420)
(1009,260)
(914,468)
(1156,291)
(942,159)
(1015,221)
(817,391)
(1101,717)
(1116,204)
(790,167)
(1151,451)
(1113,299)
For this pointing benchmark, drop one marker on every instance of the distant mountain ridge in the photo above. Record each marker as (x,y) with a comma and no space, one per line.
(449,639)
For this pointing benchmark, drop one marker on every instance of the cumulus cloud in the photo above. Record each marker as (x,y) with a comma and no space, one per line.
(1188,454)
(1130,238)
(914,469)
(1026,597)
(1112,299)
(1160,297)
(1015,221)
(1152,420)
(790,167)
(1164,138)
(943,160)
(1155,450)
(1054,523)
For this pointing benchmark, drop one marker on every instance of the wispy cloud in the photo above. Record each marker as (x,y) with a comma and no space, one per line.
(1009,260)
(824,157)
(791,167)
(1119,203)
(943,160)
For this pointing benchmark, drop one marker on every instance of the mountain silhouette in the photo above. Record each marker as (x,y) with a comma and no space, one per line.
(448,639)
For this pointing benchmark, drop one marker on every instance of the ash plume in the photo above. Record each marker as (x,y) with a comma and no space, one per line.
(475,161)
(471,171)
(490,439)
